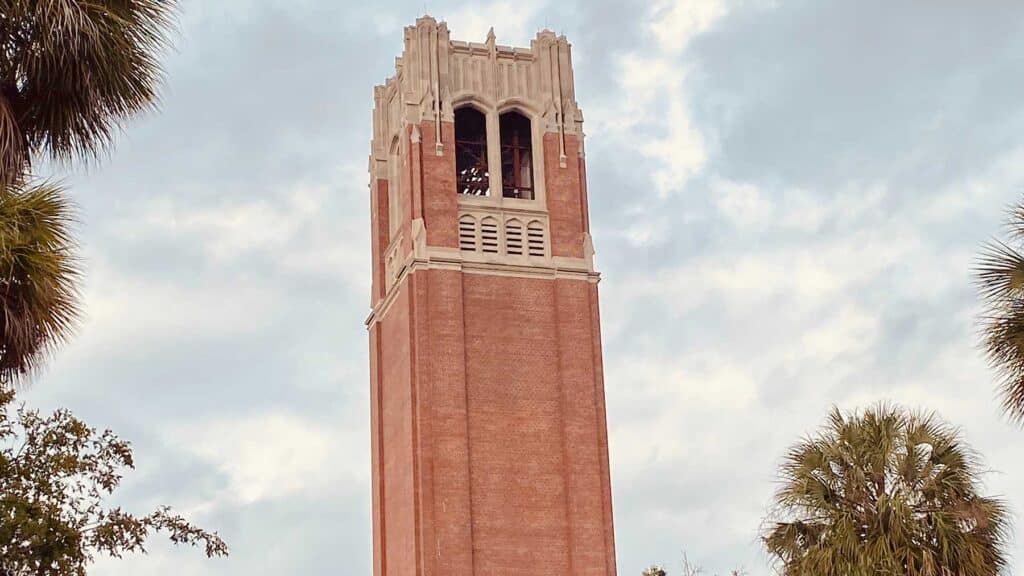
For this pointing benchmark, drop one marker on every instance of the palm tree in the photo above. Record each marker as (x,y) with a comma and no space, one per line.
(885,491)
(38,283)
(71,73)
(999,275)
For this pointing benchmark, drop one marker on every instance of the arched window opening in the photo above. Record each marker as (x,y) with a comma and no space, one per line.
(516,156)
(472,175)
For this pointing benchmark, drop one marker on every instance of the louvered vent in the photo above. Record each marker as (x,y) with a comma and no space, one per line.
(514,237)
(535,239)
(489,235)
(467,233)
(493,234)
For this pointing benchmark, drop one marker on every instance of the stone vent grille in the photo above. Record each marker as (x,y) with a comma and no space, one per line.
(514,237)
(489,235)
(467,233)
(535,238)
(494,233)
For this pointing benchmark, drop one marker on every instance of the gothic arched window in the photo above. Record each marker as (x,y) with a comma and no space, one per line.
(471,173)
(516,156)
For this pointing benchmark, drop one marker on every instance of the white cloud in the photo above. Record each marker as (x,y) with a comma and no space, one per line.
(807,276)
(848,330)
(271,225)
(275,456)
(804,301)
(510,20)
(681,151)
(227,229)
(653,82)
(742,203)
(129,308)
(978,191)
(158,560)
(671,391)
(676,22)
(291,233)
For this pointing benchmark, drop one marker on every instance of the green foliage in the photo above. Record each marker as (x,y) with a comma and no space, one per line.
(38,276)
(885,491)
(72,71)
(55,472)
(999,275)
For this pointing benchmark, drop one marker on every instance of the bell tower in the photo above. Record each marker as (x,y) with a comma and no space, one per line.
(489,438)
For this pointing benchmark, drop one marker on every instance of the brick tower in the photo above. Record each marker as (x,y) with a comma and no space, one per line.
(489,443)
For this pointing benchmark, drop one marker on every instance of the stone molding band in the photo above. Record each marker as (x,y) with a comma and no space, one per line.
(449,259)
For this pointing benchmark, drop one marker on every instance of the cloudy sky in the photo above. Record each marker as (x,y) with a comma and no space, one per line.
(786,198)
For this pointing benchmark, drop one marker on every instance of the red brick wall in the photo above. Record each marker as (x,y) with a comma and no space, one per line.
(376,452)
(440,204)
(565,205)
(489,442)
(583,425)
(443,364)
(517,449)
(396,431)
(602,430)
(379,228)
(498,435)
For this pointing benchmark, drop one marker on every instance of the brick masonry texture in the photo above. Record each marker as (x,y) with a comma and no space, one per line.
(565,196)
(489,442)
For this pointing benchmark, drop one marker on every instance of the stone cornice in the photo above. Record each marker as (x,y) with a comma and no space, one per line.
(450,259)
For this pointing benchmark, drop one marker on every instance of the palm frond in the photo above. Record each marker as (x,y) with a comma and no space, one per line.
(71,73)
(76,70)
(13,152)
(885,491)
(1015,222)
(39,275)
(999,273)
(999,277)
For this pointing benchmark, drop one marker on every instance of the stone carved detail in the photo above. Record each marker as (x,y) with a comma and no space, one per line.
(394,263)
(435,73)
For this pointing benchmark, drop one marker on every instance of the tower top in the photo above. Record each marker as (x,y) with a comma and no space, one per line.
(477,161)
(435,75)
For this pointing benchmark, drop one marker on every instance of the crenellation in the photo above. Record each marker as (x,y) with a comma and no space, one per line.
(435,71)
